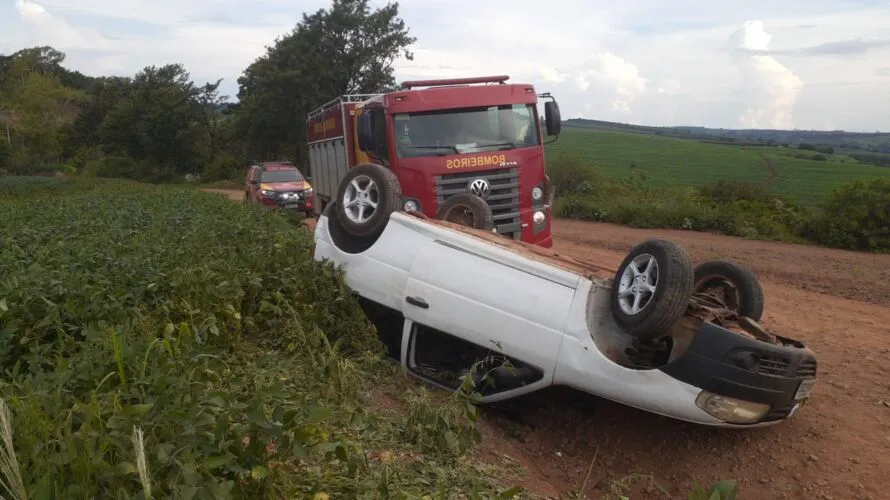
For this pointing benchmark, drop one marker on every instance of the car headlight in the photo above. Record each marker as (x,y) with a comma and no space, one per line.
(731,410)
(537,193)
(266,192)
(539,217)
(308,191)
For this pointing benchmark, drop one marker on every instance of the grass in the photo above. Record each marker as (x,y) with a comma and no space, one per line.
(160,342)
(671,161)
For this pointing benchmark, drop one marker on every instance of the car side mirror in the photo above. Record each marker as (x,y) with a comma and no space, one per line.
(365,132)
(552,118)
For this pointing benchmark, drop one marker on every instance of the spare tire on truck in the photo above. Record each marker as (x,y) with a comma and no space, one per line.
(652,288)
(367,195)
(741,291)
(468,210)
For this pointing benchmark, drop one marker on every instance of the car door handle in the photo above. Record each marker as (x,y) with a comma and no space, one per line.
(417,301)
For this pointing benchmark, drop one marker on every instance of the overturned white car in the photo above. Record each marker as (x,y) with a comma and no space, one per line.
(653,337)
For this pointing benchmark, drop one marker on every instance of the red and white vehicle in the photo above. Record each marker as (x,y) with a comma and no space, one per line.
(279,185)
(467,136)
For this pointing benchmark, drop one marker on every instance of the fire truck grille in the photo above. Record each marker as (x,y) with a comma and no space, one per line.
(503,198)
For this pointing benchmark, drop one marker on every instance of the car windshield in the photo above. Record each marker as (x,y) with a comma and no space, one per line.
(282,176)
(470,130)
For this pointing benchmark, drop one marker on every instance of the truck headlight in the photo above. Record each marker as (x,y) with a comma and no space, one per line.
(731,410)
(539,217)
(411,206)
(537,193)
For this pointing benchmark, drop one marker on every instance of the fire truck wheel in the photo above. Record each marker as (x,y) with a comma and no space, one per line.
(468,210)
(652,288)
(366,197)
(736,285)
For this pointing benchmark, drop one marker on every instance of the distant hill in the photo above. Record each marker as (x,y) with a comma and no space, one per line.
(669,156)
(877,142)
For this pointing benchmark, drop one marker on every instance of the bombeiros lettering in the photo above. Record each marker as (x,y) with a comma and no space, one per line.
(476,161)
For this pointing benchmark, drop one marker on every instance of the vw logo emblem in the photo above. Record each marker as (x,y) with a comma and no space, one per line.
(480,188)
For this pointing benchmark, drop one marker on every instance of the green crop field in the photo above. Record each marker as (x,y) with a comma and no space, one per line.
(689,162)
(162,342)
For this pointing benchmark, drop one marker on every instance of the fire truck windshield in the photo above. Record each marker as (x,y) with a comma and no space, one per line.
(467,130)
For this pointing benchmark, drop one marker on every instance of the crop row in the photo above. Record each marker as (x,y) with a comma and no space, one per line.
(164,342)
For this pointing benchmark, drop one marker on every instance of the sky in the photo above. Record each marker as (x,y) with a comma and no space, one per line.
(807,64)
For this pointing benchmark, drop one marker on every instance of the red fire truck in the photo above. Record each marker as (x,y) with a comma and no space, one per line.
(470,135)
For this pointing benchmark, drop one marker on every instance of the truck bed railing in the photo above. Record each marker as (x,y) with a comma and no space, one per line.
(338,100)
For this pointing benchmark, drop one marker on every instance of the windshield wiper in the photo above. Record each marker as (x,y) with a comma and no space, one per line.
(445,146)
(512,145)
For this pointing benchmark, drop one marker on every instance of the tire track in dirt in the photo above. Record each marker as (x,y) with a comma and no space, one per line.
(838,446)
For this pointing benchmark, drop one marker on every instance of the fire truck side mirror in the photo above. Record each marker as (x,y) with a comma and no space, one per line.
(552,119)
(365,132)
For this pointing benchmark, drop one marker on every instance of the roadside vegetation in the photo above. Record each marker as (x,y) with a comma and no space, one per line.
(854,215)
(166,343)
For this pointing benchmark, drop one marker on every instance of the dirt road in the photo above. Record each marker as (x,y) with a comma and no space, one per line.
(836,447)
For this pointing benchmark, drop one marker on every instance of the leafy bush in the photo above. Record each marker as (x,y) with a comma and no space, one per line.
(738,209)
(122,167)
(163,342)
(224,167)
(856,215)
(724,191)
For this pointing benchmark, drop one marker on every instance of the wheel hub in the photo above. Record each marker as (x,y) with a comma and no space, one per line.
(360,199)
(637,285)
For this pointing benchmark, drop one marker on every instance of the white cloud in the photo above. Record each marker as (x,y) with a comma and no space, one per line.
(52,30)
(645,61)
(609,70)
(772,89)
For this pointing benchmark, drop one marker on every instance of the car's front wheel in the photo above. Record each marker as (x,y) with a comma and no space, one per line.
(366,197)
(652,288)
(737,287)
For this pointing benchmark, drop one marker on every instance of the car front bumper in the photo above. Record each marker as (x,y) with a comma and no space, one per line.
(735,366)
(301,204)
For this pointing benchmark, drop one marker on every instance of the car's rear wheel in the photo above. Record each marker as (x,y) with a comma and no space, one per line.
(735,285)
(652,288)
(366,197)
(468,210)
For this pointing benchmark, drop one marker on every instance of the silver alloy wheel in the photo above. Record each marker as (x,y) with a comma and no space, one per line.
(637,285)
(360,199)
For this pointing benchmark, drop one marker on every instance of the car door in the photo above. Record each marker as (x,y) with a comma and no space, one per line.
(489,300)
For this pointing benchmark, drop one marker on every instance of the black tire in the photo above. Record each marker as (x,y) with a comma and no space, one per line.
(341,238)
(468,210)
(388,197)
(673,278)
(742,289)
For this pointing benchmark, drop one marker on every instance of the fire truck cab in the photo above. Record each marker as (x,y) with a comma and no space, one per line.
(442,138)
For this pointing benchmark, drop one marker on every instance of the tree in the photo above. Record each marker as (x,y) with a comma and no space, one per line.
(347,48)
(34,107)
(158,124)
(211,102)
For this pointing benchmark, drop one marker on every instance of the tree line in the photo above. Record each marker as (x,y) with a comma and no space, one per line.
(160,124)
